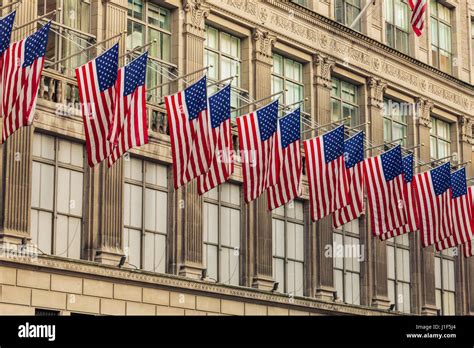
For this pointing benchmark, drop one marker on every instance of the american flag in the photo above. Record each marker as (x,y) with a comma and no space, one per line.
(409,201)
(129,122)
(418,16)
(469,246)
(6,26)
(189,126)
(354,160)
(96,84)
(433,201)
(222,154)
(22,67)
(259,150)
(288,186)
(461,210)
(384,181)
(327,174)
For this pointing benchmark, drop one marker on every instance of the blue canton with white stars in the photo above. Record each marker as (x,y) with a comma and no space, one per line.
(35,46)
(408,168)
(196,98)
(354,150)
(458,183)
(135,74)
(6,25)
(267,120)
(290,128)
(333,143)
(107,68)
(219,106)
(392,163)
(441,178)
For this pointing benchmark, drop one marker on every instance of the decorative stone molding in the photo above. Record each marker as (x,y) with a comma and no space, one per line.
(376,88)
(264,42)
(323,67)
(195,12)
(423,116)
(466,123)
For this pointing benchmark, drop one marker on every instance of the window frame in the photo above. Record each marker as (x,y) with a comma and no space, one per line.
(388,118)
(220,204)
(341,101)
(345,4)
(143,230)
(434,17)
(55,213)
(439,138)
(443,256)
(396,245)
(397,28)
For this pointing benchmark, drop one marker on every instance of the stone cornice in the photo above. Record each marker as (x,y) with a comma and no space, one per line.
(84,268)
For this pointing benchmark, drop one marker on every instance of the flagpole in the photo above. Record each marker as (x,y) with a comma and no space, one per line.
(222,81)
(327,124)
(10,4)
(460,164)
(435,161)
(86,49)
(137,48)
(37,19)
(413,147)
(360,125)
(289,106)
(179,78)
(385,143)
(259,101)
(366,7)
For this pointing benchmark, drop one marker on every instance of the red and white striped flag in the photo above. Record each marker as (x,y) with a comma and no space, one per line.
(384,181)
(258,142)
(190,127)
(22,68)
(433,201)
(418,15)
(409,201)
(96,84)
(327,174)
(288,186)
(354,161)
(469,246)
(461,209)
(129,122)
(222,154)
(6,26)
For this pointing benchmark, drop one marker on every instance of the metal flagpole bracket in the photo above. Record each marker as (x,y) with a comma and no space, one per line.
(289,106)
(259,101)
(327,124)
(137,48)
(470,179)
(385,143)
(436,161)
(179,78)
(86,49)
(221,82)
(460,164)
(37,19)
(359,125)
(11,4)
(411,148)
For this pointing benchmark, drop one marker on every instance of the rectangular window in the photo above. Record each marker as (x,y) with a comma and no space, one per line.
(146,214)
(398,264)
(346,262)
(147,22)
(395,115)
(57,195)
(223,52)
(344,101)
(441,35)
(70,34)
(287,74)
(221,233)
(440,138)
(288,248)
(397,25)
(445,282)
(346,12)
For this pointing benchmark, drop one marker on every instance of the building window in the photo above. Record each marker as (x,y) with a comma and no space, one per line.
(288,248)
(287,74)
(223,52)
(440,139)
(221,233)
(301,2)
(444,282)
(441,47)
(347,256)
(395,116)
(56,195)
(397,25)
(146,214)
(347,11)
(70,34)
(398,264)
(344,101)
(147,22)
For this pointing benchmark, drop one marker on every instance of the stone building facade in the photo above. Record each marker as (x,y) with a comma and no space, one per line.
(64,227)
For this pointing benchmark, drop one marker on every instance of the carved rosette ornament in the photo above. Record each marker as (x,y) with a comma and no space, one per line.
(195,12)
(423,112)
(323,67)
(264,42)
(376,89)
